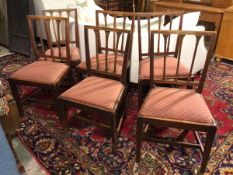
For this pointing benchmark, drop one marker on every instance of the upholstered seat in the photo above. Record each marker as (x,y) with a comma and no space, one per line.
(97,92)
(74,53)
(176,104)
(111,59)
(44,72)
(171,65)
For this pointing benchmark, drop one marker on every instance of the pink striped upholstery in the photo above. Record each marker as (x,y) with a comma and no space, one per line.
(45,72)
(74,53)
(119,63)
(171,64)
(95,91)
(176,104)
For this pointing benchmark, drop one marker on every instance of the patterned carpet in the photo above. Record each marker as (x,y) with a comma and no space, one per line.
(87,150)
(9,64)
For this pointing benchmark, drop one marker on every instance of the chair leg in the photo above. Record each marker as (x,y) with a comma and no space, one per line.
(16,96)
(140,94)
(55,95)
(62,113)
(121,114)
(139,139)
(60,107)
(79,75)
(72,75)
(207,149)
(114,133)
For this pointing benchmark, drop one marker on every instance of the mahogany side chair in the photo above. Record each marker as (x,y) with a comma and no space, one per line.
(178,107)
(114,20)
(48,72)
(74,43)
(145,23)
(104,89)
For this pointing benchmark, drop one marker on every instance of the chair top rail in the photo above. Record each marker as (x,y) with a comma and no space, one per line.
(133,14)
(60,10)
(107,29)
(185,32)
(38,17)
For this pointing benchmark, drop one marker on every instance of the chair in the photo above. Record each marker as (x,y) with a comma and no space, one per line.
(104,90)
(148,22)
(177,107)
(48,72)
(114,20)
(72,15)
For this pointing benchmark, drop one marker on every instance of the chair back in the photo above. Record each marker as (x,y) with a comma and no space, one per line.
(188,80)
(112,56)
(147,21)
(72,16)
(116,20)
(52,26)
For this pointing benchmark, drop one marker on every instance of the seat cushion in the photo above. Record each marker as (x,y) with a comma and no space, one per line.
(95,91)
(176,104)
(74,53)
(171,64)
(111,58)
(45,72)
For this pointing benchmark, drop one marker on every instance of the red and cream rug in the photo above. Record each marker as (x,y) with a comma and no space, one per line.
(84,149)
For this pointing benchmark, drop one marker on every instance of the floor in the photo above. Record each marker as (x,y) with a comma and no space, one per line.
(30,165)
(4,51)
(9,124)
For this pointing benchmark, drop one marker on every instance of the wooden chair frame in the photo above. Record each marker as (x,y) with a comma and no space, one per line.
(46,26)
(148,15)
(67,13)
(53,88)
(114,117)
(116,15)
(143,122)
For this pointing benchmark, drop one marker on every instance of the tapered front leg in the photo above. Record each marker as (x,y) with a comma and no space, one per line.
(114,133)
(139,138)
(207,149)
(16,96)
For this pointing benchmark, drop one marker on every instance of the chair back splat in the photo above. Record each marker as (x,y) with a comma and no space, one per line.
(72,16)
(59,48)
(112,55)
(154,21)
(113,20)
(117,20)
(53,32)
(176,79)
